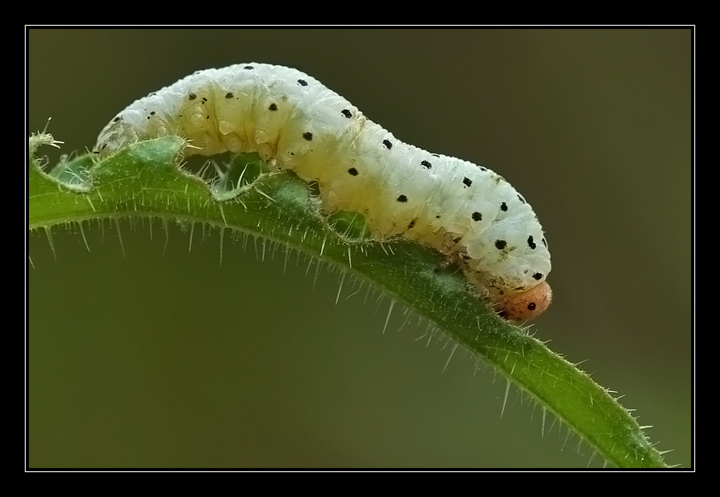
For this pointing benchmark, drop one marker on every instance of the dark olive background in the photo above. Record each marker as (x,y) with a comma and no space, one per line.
(165,358)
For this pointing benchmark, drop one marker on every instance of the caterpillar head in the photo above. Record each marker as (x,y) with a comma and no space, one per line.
(528,305)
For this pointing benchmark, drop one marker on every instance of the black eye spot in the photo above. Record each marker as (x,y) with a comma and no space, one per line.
(500,244)
(387,144)
(353,171)
(229,95)
(248,67)
(402,198)
(538,276)
(412,224)
(531,306)
(426,164)
(503,207)
(273,107)
(308,136)
(531,243)
(467,181)
(117,119)
(302,82)
(192,96)
(476,216)
(346,113)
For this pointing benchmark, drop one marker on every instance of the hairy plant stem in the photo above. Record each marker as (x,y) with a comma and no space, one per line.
(144,180)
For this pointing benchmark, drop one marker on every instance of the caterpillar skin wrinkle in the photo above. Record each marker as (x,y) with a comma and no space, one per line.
(465,211)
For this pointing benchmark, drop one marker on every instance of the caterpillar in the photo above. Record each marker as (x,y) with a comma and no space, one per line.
(467,212)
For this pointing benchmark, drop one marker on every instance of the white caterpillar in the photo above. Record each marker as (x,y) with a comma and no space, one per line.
(466,211)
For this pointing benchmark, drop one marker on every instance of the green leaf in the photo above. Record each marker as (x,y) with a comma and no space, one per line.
(144,180)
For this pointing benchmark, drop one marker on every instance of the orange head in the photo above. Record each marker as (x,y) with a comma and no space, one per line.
(528,305)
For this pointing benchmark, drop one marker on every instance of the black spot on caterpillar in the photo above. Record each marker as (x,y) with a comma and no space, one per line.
(467,212)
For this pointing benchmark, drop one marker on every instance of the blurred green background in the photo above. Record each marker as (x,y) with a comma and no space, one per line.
(165,358)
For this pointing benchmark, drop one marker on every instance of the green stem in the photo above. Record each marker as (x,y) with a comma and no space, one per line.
(143,180)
